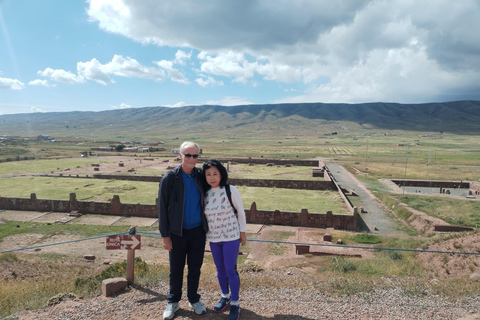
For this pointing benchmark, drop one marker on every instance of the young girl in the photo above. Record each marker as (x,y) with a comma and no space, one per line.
(226,231)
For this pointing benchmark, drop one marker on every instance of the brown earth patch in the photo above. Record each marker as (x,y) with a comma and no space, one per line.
(449,265)
(71,247)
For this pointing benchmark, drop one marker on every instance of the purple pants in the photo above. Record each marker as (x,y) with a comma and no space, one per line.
(225,256)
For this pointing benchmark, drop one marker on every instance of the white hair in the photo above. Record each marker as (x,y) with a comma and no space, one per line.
(188,144)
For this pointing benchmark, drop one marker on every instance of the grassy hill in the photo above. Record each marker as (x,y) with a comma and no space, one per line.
(461,117)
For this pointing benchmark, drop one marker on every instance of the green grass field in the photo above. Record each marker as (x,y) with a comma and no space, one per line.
(146,192)
(392,155)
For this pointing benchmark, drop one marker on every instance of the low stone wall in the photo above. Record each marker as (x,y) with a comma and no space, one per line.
(115,207)
(302,219)
(130,178)
(447,228)
(433,184)
(286,184)
(17,158)
(279,162)
(325,184)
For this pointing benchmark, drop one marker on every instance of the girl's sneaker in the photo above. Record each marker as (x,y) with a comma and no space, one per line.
(222,304)
(234,313)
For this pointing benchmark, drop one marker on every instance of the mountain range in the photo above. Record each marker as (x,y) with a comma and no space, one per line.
(461,117)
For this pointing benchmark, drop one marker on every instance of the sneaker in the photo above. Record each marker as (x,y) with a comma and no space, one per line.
(198,307)
(222,304)
(234,313)
(169,313)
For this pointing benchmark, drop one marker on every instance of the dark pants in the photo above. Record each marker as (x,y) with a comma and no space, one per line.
(189,247)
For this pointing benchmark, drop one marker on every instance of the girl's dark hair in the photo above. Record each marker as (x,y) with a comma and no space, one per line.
(223,172)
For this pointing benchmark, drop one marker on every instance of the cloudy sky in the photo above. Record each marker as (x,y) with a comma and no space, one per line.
(58,55)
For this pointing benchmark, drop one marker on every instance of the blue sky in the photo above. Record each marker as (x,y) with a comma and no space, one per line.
(74,55)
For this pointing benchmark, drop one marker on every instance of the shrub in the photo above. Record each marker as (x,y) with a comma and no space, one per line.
(250,267)
(367,238)
(396,255)
(116,270)
(9,256)
(342,265)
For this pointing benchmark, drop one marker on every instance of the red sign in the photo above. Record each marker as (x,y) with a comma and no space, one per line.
(124,242)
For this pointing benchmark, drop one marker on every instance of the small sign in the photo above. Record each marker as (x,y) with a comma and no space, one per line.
(124,242)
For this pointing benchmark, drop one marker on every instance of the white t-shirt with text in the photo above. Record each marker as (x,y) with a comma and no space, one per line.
(223,225)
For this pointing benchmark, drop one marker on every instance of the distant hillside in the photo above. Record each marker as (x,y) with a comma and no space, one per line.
(461,117)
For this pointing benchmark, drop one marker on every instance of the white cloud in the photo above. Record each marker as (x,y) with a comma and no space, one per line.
(206,81)
(131,68)
(173,73)
(93,70)
(175,105)
(229,101)
(39,82)
(228,64)
(60,75)
(181,57)
(122,106)
(8,83)
(36,109)
(344,51)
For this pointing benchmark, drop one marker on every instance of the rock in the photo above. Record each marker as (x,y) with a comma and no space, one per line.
(89,257)
(74,214)
(339,241)
(61,297)
(475,276)
(113,285)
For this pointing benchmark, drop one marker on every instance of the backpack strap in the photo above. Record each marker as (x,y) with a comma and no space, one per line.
(229,195)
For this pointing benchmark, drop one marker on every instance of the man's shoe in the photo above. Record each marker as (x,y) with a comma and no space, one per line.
(198,307)
(222,304)
(169,313)
(234,313)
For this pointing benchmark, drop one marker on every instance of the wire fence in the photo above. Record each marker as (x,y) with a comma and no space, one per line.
(253,240)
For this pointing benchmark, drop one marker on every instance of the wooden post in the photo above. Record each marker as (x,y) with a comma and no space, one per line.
(130,266)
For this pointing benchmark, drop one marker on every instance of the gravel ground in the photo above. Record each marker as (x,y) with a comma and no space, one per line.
(264,303)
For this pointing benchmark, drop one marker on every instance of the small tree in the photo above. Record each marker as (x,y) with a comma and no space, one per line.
(120,147)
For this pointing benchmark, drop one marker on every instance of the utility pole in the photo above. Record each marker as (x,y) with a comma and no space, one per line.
(405,174)
(366,155)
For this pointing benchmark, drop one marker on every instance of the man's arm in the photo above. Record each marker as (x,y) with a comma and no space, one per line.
(163,199)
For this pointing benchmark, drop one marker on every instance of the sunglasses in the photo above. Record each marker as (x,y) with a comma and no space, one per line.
(188,155)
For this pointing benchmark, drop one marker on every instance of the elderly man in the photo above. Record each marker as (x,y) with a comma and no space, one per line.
(183,227)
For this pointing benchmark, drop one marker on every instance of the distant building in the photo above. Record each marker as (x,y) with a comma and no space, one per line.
(177,150)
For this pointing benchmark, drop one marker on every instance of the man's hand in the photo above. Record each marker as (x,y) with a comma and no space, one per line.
(167,243)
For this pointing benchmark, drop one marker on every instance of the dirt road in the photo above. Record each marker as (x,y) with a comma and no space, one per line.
(376,219)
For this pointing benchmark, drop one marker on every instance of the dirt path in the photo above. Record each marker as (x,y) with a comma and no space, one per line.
(377,219)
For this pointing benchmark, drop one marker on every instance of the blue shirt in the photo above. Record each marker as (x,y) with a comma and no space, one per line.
(192,213)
